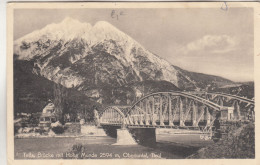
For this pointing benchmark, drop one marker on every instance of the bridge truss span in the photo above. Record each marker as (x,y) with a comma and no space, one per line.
(112,115)
(243,107)
(178,110)
(172,109)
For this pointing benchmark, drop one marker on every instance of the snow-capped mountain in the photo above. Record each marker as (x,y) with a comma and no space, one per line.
(85,57)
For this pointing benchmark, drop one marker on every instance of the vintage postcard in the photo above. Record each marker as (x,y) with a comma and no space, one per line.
(157,82)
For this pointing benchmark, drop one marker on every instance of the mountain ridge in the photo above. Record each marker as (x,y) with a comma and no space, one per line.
(103,56)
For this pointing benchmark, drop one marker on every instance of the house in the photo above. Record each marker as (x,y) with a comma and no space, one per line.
(48,115)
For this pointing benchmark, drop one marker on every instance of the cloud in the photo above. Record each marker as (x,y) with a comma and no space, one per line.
(211,44)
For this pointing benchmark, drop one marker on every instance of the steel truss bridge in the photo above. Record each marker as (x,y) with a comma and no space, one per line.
(187,110)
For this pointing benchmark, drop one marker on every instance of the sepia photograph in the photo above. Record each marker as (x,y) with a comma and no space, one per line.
(132,82)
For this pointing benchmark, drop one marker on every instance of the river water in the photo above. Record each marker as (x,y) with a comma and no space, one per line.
(167,147)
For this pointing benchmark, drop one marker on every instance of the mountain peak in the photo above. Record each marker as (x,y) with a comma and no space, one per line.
(70,28)
(106,27)
(103,24)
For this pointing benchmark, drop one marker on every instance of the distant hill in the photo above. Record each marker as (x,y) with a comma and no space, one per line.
(246,89)
(205,81)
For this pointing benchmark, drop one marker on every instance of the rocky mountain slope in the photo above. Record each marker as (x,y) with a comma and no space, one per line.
(99,60)
(32,92)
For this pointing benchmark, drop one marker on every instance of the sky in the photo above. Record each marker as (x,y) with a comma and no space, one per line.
(211,41)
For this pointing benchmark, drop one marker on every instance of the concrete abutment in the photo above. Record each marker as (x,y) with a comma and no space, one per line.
(131,136)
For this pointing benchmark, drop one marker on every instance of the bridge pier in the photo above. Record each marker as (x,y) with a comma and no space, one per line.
(124,138)
(131,136)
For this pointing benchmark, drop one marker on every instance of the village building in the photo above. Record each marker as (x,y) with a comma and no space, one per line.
(48,115)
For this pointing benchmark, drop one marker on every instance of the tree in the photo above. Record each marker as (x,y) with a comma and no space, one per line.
(60,97)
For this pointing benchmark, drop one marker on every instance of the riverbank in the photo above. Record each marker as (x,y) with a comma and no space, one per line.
(83,130)
(240,143)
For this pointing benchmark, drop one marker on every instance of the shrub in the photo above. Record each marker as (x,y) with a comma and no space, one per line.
(58,130)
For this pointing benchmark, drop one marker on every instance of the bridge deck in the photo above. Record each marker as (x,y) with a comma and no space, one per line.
(156,126)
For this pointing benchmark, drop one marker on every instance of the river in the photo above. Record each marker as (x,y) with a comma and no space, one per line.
(166,147)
